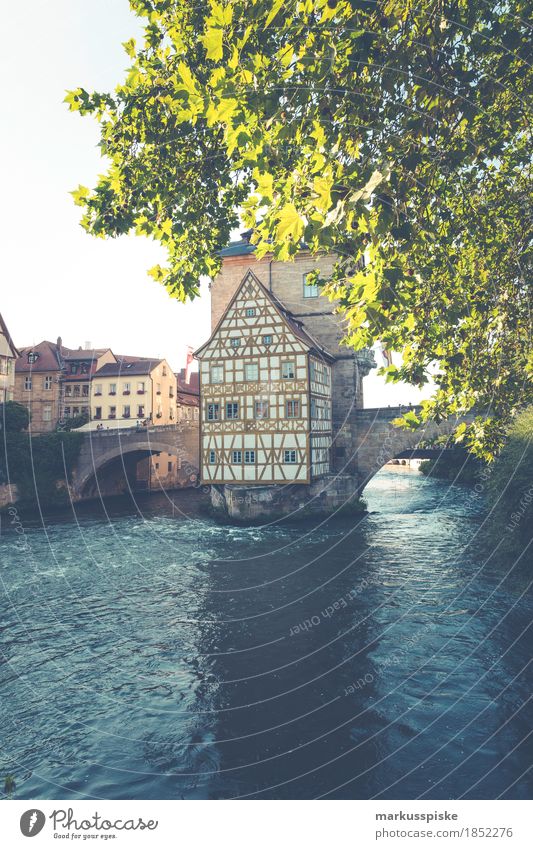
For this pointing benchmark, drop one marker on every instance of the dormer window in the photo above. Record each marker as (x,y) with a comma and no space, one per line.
(32,357)
(73,368)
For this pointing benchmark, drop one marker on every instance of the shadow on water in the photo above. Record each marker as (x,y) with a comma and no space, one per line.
(156,654)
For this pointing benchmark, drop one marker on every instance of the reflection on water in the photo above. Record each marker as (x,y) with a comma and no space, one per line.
(151,653)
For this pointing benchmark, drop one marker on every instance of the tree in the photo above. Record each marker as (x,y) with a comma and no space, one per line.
(14,417)
(393,130)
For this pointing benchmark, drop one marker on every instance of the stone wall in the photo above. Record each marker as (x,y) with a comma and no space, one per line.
(331,495)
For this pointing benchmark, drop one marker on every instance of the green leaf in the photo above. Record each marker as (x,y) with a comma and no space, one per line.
(212,41)
(290,226)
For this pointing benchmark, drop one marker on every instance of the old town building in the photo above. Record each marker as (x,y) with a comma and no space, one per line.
(266,394)
(53,381)
(132,390)
(279,392)
(78,369)
(8,355)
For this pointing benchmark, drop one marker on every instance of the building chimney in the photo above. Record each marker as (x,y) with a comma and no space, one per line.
(59,343)
(188,364)
(88,346)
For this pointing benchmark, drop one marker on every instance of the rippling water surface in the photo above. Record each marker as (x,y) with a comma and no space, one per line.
(156,654)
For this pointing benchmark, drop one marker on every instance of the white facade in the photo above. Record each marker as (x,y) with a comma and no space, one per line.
(265,395)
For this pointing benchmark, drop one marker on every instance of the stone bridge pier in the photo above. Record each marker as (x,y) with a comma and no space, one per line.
(108,459)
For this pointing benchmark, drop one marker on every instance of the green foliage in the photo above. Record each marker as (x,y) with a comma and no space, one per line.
(457,466)
(395,130)
(14,417)
(39,466)
(75,422)
(510,491)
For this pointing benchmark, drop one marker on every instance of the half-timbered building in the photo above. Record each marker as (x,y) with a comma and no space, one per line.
(265,395)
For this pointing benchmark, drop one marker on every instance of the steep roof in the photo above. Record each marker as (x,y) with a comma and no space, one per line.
(47,360)
(82,353)
(125,368)
(6,333)
(293,323)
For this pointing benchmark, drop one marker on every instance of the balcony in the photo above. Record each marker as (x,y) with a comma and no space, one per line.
(141,392)
(112,393)
(112,416)
(126,392)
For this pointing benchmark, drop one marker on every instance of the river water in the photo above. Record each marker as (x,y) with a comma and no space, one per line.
(148,652)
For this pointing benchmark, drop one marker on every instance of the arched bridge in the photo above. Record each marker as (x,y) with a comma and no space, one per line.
(108,459)
(378,440)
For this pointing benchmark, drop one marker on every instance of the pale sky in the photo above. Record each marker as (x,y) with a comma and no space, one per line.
(56,279)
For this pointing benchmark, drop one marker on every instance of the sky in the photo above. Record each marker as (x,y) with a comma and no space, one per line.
(56,279)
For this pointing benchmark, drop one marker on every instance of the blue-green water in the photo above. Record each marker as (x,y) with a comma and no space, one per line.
(156,654)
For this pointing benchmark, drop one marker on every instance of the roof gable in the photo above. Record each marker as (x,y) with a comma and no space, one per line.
(267,316)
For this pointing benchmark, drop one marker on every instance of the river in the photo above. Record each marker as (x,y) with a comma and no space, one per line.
(149,652)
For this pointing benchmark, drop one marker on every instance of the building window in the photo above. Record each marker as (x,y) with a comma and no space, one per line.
(97,388)
(261,410)
(75,411)
(251,371)
(212,456)
(126,411)
(47,413)
(140,411)
(126,388)
(164,373)
(112,388)
(250,312)
(77,389)
(140,388)
(47,383)
(84,368)
(235,342)
(267,340)
(236,456)
(112,413)
(289,456)
(32,358)
(249,457)
(68,390)
(213,412)
(169,466)
(85,390)
(73,368)
(158,389)
(217,374)
(292,408)
(98,412)
(66,412)
(311,288)
(85,411)
(287,371)
(232,410)
(27,383)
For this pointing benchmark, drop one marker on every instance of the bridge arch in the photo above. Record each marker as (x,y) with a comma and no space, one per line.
(108,459)
(379,441)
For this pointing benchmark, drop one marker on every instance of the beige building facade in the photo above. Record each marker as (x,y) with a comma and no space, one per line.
(134,390)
